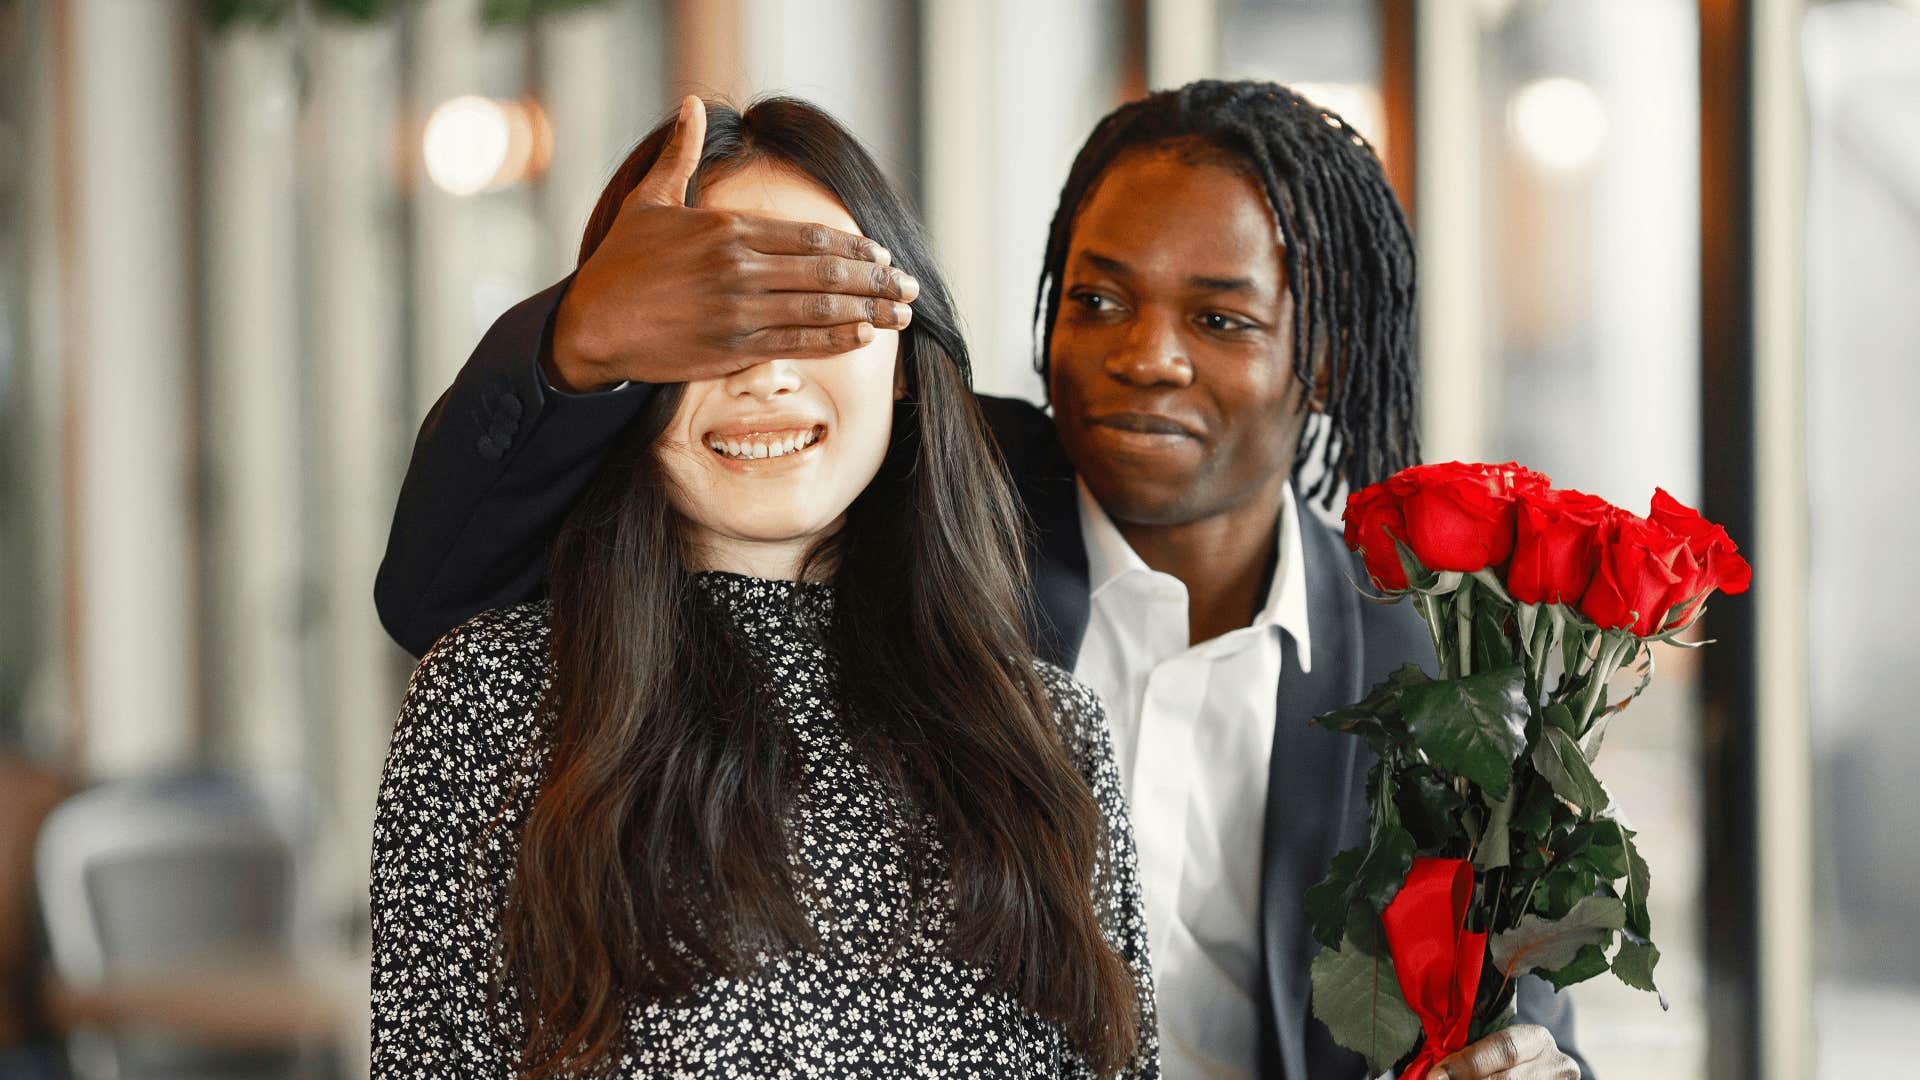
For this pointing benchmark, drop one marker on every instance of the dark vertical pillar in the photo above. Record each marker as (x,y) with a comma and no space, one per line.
(1729,760)
(1397,23)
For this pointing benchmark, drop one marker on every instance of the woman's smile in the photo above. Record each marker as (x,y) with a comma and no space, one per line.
(769,445)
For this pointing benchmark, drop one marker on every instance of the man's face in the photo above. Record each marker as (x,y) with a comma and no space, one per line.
(1171,369)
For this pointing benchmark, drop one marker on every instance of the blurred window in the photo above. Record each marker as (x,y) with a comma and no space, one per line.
(1863,257)
(1589,208)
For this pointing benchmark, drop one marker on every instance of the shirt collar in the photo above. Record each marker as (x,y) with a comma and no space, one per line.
(1110,558)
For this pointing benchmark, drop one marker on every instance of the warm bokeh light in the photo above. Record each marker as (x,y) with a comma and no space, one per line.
(465,144)
(1560,122)
(474,144)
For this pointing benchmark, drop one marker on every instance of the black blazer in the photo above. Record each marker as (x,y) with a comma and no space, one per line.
(501,458)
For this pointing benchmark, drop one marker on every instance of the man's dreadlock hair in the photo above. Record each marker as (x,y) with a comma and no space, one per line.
(1346,246)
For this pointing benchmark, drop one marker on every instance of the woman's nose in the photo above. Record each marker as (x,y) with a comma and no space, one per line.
(765,380)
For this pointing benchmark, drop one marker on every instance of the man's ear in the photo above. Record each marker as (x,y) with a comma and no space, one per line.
(1318,393)
(1321,391)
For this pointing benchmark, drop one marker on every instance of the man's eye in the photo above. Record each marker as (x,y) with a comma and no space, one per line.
(1224,323)
(1092,301)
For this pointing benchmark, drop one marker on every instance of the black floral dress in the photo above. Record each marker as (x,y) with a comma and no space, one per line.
(869,1002)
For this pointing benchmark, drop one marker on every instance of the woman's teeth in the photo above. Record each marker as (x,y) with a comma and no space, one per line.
(772,445)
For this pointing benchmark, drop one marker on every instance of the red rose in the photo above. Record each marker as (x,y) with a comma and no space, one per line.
(1556,545)
(1460,516)
(1635,580)
(1718,564)
(1520,479)
(1696,581)
(1370,513)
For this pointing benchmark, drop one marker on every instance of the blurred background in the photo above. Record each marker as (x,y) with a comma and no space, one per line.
(244,244)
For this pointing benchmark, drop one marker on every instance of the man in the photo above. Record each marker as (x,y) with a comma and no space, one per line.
(1226,261)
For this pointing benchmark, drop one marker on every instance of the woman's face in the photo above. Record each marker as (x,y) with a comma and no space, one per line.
(765,462)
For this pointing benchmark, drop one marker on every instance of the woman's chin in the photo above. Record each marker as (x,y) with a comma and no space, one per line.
(768,546)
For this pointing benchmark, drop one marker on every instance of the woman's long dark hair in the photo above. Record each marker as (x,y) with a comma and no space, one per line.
(655,853)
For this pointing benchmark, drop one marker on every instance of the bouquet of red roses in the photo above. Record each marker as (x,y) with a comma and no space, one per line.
(1492,850)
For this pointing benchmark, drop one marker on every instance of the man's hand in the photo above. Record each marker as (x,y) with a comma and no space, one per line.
(675,293)
(1521,1052)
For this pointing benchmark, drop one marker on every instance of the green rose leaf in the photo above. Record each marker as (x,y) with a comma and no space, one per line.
(1376,718)
(1538,944)
(1591,960)
(1495,847)
(1633,964)
(1561,888)
(1639,879)
(1491,646)
(1602,845)
(1534,815)
(1385,867)
(1326,903)
(1364,931)
(1558,758)
(1430,808)
(1474,726)
(1358,997)
(1560,716)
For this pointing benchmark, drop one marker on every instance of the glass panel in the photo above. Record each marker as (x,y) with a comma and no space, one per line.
(1009,90)
(22,539)
(1589,134)
(1328,50)
(1863,255)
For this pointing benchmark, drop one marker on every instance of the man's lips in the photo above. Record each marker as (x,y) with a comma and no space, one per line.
(1143,423)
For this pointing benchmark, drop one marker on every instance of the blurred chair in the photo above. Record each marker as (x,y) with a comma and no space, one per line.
(174,913)
(28,792)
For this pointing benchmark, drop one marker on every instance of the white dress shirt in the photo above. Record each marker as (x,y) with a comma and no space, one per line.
(1192,735)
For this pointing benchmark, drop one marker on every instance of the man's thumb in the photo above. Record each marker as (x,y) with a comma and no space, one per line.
(666,183)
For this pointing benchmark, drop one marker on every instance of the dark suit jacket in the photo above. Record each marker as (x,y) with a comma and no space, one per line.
(501,459)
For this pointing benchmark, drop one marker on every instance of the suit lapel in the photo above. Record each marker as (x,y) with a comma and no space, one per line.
(1057,616)
(1308,783)
(1057,604)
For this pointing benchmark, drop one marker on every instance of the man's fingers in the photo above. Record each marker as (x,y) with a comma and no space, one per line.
(1496,1053)
(773,310)
(775,236)
(666,183)
(807,342)
(833,274)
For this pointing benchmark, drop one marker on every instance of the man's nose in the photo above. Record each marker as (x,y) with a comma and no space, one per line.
(1153,354)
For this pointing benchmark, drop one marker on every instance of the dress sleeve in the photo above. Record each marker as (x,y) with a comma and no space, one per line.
(438,873)
(1116,887)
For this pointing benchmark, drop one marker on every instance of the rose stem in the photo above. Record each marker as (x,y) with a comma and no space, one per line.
(1429,613)
(1602,671)
(1463,619)
(1537,651)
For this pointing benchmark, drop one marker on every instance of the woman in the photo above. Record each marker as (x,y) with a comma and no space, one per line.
(771,784)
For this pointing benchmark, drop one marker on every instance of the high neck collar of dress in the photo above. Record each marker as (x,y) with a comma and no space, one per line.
(767,602)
